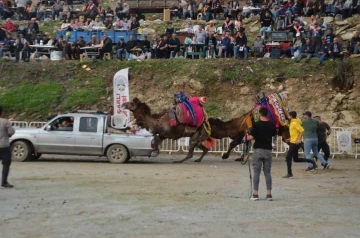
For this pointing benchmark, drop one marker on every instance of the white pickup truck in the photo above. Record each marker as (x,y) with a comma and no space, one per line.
(79,134)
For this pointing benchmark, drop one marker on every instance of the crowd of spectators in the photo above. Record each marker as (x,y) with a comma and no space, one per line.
(314,39)
(211,9)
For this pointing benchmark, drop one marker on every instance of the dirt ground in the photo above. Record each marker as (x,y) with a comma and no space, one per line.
(155,198)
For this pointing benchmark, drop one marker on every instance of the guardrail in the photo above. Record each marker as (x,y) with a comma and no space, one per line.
(221,146)
(279,147)
(19,124)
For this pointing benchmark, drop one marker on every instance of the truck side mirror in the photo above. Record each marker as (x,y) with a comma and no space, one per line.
(48,128)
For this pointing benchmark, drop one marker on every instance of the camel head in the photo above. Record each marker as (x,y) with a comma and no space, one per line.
(137,106)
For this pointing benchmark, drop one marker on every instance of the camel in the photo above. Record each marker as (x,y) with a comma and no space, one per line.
(160,127)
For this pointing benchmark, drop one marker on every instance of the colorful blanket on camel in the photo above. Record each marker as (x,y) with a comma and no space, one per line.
(188,111)
(276,104)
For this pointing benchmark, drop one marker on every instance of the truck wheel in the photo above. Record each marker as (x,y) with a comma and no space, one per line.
(117,154)
(21,151)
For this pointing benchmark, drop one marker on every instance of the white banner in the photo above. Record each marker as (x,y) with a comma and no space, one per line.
(121,92)
(344,140)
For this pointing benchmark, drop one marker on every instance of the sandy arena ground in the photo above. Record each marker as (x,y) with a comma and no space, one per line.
(155,198)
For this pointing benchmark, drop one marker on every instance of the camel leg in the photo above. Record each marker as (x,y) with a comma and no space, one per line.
(194,141)
(233,144)
(189,155)
(204,149)
(157,141)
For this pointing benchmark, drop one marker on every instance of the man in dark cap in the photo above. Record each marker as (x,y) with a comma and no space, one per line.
(6,131)
(311,140)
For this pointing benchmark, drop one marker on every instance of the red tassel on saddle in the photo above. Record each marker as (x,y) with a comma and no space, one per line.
(210,143)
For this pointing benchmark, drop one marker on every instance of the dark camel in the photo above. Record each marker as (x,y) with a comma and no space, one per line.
(161,129)
(236,129)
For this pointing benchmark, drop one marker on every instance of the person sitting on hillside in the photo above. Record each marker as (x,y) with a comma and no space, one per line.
(162,49)
(65,11)
(106,46)
(153,44)
(134,26)
(94,41)
(354,43)
(210,46)
(9,26)
(186,9)
(297,28)
(285,48)
(131,44)
(225,44)
(258,47)
(66,25)
(321,51)
(8,44)
(101,11)
(306,51)
(121,49)
(57,8)
(266,23)
(241,42)
(41,11)
(239,24)
(200,35)
(210,28)
(126,24)
(91,10)
(281,17)
(296,46)
(32,30)
(329,36)
(21,45)
(118,24)
(76,50)
(228,25)
(63,46)
(335,50)
(124,12)
(174,45)
(316,34)
(216,8)
(206,13)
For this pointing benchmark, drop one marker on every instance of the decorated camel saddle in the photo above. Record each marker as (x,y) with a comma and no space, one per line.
(276,103)
(187,111)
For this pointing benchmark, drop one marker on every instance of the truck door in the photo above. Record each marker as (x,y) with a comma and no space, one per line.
(60,138)
(89,136)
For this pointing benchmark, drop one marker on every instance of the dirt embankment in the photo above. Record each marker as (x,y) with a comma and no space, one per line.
(41,88)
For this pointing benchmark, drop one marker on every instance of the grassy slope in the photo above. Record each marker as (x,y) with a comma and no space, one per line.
(36,89)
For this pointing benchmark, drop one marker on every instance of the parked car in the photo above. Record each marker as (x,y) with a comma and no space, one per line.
(79,134)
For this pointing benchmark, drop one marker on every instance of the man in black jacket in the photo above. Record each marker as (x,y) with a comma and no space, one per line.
(174,45)
(130,44)
(107,46)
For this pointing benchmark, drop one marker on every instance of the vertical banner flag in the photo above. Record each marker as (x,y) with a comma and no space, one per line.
(344,141)
(121,92)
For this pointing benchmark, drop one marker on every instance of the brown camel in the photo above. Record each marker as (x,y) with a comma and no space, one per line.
(236,130)
(161,129)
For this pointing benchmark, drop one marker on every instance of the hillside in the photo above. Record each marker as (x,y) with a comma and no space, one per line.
(37,89)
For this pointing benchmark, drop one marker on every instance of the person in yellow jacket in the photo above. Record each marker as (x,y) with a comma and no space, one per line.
(296,133)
